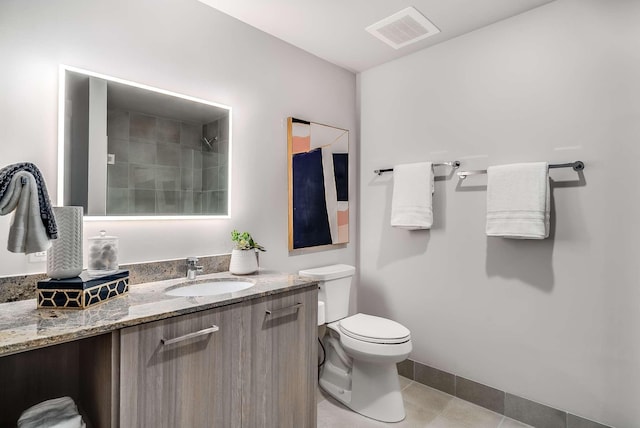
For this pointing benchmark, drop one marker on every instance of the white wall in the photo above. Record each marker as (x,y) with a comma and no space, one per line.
(185,47)
(556,321)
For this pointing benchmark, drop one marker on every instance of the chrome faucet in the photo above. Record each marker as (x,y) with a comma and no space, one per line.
(192,267)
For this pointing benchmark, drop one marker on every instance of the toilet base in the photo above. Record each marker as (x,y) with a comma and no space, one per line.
(371,389)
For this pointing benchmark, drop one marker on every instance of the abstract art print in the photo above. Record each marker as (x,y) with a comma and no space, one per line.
(318,184)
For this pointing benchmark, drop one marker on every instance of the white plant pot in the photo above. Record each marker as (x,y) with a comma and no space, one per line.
(243,262)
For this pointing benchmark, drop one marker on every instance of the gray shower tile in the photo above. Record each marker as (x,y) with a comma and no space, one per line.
(117,201)
(142,153)
(197,159)
(405,368)
(142,202)
(197,179)
(434,378)
(210,179)
(142,127)
(142,177)
(209,203)
(168,154)
(167,178)
(168,131)
(119,148)
(223,128)
(186,158)
(168,202)
(223,147)
(209,159)
(118,175)
(190,135)
(574,421)
(223,177)
(210,130)
(186,179)
(482,395)
(533,413)
(118,124)
(197,202)
(221,198)
(187,202)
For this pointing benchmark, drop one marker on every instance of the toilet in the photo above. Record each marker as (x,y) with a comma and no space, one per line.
(361,351)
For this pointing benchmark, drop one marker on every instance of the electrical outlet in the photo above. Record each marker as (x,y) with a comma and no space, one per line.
(39,257)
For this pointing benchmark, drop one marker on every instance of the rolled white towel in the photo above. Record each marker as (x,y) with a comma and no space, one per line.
(56,413)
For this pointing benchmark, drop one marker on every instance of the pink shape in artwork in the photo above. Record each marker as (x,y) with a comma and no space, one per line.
(300,144)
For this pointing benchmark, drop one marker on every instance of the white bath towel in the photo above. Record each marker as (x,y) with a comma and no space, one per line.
(411,204)
(27,233)
(57,413)
(518,199)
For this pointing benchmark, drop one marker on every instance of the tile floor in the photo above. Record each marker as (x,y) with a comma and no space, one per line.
(425,407)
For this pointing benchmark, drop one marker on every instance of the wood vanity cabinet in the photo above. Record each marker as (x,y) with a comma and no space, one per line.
(249,364)
(182,372)
(259,369)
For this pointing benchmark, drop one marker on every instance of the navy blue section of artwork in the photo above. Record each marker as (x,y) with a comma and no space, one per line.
(310,221)
(341,172)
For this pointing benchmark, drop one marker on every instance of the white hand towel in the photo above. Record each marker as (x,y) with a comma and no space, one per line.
(27,233)
(518,199)
(411,204)
(57,413)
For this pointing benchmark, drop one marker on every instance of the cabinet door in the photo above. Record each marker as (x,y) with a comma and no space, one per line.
(179,372)
(280,367)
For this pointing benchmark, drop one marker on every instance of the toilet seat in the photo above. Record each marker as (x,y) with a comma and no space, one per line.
(372,329)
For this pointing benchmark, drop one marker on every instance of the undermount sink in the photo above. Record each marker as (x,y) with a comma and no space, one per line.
(210,288)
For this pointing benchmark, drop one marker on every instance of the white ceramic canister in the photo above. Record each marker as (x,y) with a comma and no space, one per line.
(64,258)
(103,255)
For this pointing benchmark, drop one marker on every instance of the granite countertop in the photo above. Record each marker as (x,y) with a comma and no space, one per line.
(24,327)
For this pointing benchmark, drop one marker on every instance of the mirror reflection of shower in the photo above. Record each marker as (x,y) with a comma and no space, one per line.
(145,152)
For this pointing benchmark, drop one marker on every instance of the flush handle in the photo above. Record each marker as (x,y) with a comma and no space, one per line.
(286,308)
(202,332)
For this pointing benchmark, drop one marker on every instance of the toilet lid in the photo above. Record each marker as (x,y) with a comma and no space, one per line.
(374,329)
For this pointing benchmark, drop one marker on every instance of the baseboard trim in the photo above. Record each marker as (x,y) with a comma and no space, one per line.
(512,406)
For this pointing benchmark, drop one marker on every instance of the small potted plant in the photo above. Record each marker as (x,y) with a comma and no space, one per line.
(244,257)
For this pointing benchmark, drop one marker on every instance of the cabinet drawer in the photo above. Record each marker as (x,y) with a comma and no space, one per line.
(183,371)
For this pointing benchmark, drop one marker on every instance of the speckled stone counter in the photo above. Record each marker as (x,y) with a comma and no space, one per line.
(23,287)
(24,327)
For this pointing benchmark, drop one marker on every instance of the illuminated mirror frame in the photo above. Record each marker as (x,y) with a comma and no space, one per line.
(61,143)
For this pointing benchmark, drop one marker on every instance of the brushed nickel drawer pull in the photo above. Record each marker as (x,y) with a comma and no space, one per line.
(275,311)
(202,332)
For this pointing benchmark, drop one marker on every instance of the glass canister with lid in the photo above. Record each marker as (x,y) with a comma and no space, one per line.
(103,254)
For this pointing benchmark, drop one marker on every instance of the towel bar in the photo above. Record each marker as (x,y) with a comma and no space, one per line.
(452,164)
(577,166)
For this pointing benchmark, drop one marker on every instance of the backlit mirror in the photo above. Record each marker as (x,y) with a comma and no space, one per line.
(132,150)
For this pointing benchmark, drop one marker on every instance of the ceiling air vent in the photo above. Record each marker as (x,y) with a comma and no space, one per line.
(403,28)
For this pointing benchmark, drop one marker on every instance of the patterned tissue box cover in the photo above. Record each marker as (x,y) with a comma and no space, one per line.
(82,291)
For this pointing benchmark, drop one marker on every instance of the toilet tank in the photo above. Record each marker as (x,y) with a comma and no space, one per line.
(334,289)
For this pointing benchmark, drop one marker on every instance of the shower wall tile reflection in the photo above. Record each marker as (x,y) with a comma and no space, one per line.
(165,166)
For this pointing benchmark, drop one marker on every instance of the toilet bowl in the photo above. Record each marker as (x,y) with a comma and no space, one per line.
(361,351)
